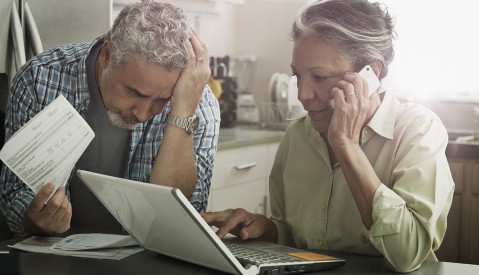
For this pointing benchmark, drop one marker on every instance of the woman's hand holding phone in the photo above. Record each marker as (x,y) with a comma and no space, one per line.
(368,75)
(353,93)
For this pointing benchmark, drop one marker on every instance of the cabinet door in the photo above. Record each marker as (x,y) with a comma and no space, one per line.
(251,196)
(272,148)
(461,242)
(240,178)
(473,253)
(239,165)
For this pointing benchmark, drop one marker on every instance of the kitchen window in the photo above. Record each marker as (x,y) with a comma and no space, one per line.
(437,48)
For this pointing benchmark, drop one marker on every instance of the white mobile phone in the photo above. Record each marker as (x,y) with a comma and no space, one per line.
(367,73)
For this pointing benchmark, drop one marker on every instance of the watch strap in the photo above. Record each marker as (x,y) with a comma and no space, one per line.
(189,124)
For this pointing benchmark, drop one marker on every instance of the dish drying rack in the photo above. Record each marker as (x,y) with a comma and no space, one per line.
(277,116)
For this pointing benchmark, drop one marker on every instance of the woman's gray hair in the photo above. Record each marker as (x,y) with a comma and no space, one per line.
(158,32)
(362,30)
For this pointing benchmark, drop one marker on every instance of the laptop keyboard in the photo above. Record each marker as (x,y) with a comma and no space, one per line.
(253,256)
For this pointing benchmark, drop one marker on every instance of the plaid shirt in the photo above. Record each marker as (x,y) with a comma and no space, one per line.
(62,70)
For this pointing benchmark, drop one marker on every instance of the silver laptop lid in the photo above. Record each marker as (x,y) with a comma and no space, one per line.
(162,220)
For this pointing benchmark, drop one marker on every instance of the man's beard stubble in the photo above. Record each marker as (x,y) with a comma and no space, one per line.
(128,123)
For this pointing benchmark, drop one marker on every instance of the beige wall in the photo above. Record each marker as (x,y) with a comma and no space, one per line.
(263,29)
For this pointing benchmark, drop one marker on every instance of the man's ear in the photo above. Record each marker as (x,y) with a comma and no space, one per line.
(377,67)
(105,53)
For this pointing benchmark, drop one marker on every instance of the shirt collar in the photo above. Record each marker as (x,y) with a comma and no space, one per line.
(384,118)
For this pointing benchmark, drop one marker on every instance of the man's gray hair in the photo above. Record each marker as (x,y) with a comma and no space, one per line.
(157,32)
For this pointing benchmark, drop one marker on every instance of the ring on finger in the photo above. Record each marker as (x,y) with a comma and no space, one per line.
(350,93)
(200,59)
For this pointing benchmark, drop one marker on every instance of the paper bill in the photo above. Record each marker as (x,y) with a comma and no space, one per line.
(47,147)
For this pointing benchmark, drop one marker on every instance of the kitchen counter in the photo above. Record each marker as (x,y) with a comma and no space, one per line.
(148,262)
(249,135)
(246,135)
(462,149)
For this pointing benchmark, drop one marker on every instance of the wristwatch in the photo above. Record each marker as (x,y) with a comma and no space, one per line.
(189,124)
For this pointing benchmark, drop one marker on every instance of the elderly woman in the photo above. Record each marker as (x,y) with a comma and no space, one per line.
(370,175)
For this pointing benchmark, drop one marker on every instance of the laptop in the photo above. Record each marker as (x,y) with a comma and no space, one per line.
(161,219)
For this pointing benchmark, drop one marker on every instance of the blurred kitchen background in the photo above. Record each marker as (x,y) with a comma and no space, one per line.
(437,52)
(435,63)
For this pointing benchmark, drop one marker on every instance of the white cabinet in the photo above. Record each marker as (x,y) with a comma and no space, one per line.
(240,178)
(251,196)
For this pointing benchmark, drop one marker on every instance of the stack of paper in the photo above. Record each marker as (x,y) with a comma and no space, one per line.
(99,246)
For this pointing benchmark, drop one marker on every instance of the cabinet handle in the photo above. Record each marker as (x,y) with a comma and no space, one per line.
(245,166)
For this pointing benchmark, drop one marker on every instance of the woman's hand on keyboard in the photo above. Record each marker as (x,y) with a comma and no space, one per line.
(243,224)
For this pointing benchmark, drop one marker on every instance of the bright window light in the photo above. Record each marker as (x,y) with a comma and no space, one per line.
(437,48)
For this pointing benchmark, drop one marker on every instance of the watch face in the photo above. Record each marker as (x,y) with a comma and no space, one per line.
(193,123)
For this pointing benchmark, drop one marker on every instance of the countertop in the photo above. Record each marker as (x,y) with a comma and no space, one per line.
(462,149)
(246,135)
(147,262)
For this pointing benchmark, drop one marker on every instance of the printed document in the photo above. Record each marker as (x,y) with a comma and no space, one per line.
(47,147)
